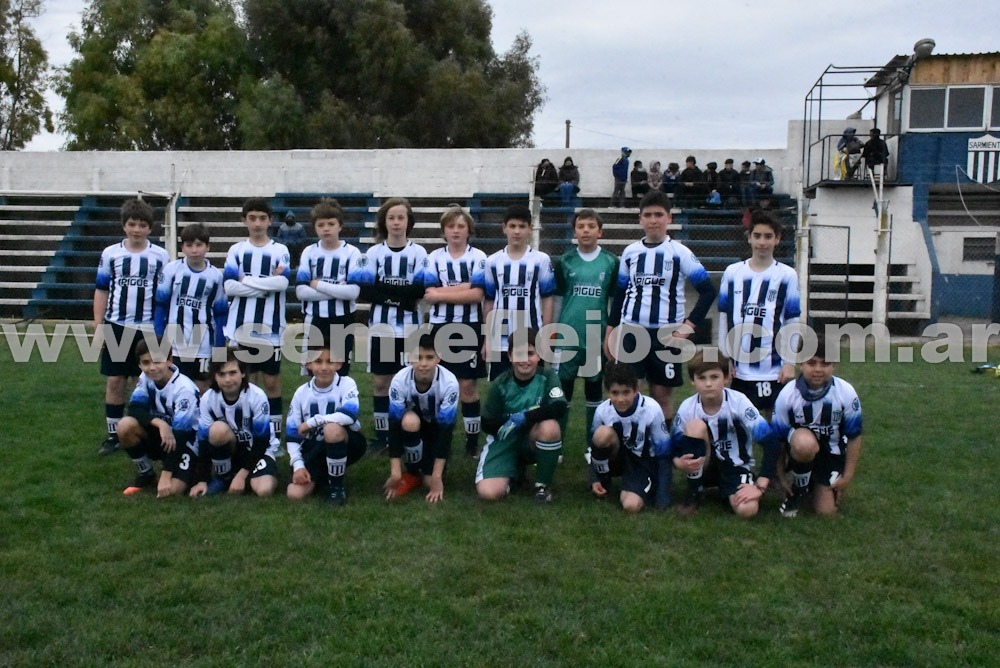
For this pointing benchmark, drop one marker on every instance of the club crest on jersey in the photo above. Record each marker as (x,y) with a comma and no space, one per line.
(772,295)
(363,261)
(452,398)
(394,393)
(555,393)
(751,414)
(183,405)
(856,404)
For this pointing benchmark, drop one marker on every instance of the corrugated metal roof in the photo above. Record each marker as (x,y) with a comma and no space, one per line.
(891,69)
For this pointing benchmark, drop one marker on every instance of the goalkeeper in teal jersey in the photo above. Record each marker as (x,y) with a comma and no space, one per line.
(585,278)
(522,414)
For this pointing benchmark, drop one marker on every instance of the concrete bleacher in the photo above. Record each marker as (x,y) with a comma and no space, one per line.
(50,245)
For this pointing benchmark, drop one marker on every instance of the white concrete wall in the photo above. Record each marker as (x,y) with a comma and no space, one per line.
(426,173)
(949,242)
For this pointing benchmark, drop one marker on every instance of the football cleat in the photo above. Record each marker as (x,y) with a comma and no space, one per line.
(543,493)
(408,483)
(790,506)
(109,446)
(141,482)
(217,486)
(692,502)
(337,497)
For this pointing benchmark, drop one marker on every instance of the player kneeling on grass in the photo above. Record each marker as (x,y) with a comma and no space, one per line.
(161,422)
(819,418)
(423,406)
(713,437)
(322,430)
(522,415)
(631,439)
(235,431)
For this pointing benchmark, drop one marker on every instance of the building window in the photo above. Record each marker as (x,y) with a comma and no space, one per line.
(995,115)
(965,107)
(927,108)
(978,249)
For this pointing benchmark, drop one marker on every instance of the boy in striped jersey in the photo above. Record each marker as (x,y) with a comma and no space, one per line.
(518,285)
(161,423)
(423,405)
(757,298)
(128,276)
(234,432)
(256,276)
(649,303)
(457,313)
(818,417)
(322,429)
(631,439)
(713,437)
(191,306)
(391,278)
(328,300)
(585,278)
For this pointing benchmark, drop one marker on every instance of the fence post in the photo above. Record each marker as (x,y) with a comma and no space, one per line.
(996,280)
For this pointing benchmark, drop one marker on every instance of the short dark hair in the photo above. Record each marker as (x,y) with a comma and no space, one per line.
(517,212)
(137,209)
(589,214)
(619,373)
(194,232)
(691,158)
(256,204)
(381,231)
(768,218)
(699,364)
(142,348)
(426,342)
(327,208)
(529,338)
(215,366)
(827,347)
(655,198)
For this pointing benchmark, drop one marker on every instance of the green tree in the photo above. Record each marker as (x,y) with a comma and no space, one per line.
(384,73)
(154,75)
(24,75)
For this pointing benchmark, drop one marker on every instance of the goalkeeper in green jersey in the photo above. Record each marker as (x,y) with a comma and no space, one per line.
(585,279)
(522,417)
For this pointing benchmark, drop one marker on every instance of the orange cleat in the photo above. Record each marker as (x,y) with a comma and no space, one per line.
(409,483)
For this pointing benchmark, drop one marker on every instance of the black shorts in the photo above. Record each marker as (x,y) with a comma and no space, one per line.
(827,467)
(264,466)
(338,337)
(123,361)
(196,369)
(651,367)
(639,476)
(420,461)
(761,393)
(314,456)
(180,463)
(386,354)
(465,360)
(731,477)
(269,367)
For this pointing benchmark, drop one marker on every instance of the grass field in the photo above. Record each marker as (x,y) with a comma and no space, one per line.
(907,575)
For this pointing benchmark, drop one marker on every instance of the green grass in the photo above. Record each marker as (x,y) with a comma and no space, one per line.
(906,575)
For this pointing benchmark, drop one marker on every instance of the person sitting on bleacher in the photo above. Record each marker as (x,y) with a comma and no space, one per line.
(655,176)
(569,181)
(670,177)
(690,184)
(546,180)
(761,179)
(640,179)
(729,183)
(293,235)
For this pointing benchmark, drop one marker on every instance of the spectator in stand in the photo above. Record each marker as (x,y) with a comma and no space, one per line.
(670,177)
(569,181)
(655,176)
(761,179)
(690,184)
(729,183)
(711,177)
(640,179)
(619,170)
(293,235)
(875,151)
(849,147)
(746,176)
(546,180)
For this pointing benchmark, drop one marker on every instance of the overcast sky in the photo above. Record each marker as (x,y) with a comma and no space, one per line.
(683,73)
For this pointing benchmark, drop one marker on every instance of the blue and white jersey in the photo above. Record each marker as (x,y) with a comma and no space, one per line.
(195,302)
(327,266)
(384,267)
(733,428)
(437,405)
(834,418)
(444,271)
(516,288)
(176,403)
(642,430)
(264,308)
(760,304)
(249,417)
(131,280)
(652,282)
(318,406)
